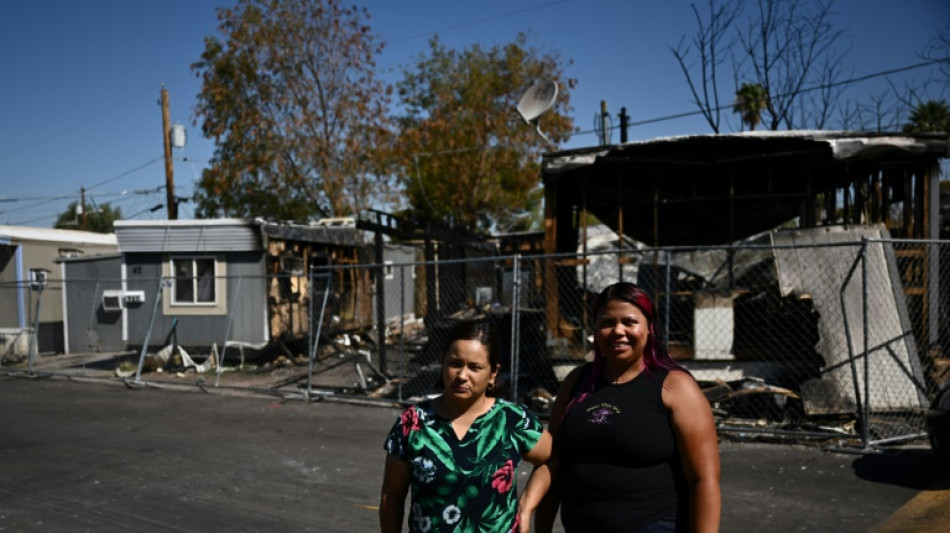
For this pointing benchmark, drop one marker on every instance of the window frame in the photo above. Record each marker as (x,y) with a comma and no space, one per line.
(196,280)
(170,304)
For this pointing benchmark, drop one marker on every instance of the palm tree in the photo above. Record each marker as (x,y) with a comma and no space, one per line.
(751,100)
(929,116)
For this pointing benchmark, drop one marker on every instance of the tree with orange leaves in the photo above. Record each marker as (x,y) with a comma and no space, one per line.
(290,95)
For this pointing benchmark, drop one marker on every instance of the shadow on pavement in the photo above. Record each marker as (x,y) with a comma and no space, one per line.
(918,469)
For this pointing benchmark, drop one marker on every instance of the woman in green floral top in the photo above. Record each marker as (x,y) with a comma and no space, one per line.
(460,451)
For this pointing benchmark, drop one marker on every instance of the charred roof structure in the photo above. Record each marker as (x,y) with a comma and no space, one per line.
(721,189)
(718,189)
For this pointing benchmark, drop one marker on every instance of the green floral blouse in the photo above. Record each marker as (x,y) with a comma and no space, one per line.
(469,484)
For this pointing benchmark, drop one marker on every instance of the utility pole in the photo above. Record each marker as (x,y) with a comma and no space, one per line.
(624,122)
(82,206)
(604,128)
(169,169)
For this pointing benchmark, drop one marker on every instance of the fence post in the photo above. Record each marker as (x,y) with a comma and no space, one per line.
(315,336)
(380,297)
(515,336)
(668,299)
(34,337)
(865,431)
(311,330)
(934,289)
(148,334)
(227,332)
(860,412)
(402,328)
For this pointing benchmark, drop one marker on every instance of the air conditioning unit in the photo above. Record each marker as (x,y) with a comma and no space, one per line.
(133,297)
(112,301)
(38,277)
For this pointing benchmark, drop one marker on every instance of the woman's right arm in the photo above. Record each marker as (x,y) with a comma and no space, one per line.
(392,498)
(541,495)
(539,498)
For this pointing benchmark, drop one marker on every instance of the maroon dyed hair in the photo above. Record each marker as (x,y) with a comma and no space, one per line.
(655,355)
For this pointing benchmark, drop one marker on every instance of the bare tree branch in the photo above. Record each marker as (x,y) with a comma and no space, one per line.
(711,42)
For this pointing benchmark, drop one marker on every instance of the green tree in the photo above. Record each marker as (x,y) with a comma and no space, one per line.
(466,155)
(929,116)
(751,100)
(290,95)
(92,218)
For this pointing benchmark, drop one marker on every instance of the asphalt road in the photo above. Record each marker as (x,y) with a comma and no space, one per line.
(96,456)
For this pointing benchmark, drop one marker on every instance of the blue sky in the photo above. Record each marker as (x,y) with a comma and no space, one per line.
(80,81)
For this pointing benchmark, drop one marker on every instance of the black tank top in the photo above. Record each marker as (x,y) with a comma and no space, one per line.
(620,464)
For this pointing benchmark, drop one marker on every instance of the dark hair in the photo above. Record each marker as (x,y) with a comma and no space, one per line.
(476,330)
(655,355)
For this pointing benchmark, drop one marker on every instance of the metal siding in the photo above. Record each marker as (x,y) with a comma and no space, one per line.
(44,255)
(89,328)
(245,305)
(247,299)
(197,238)
(197,330)
(820,272)
(9,293)
(50,335)
(142,273)
(396,305)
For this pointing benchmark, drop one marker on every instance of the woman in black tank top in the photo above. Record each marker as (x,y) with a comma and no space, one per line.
(635,441)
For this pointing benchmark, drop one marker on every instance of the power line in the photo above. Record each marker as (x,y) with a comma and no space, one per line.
(43,198)
(699,112)
(804,90)
(88,189)
(43,202)
(126,173)
(76,125)
(48,197)
(136,199)
(143,211)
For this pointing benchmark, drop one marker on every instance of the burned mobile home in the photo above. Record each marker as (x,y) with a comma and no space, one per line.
(749,244)
(213,282)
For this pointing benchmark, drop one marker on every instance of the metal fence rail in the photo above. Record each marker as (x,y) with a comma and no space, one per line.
(844,340)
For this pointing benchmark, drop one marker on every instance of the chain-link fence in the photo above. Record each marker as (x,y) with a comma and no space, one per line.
(846,338)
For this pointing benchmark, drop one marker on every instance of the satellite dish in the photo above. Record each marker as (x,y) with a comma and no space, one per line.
(537,101)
